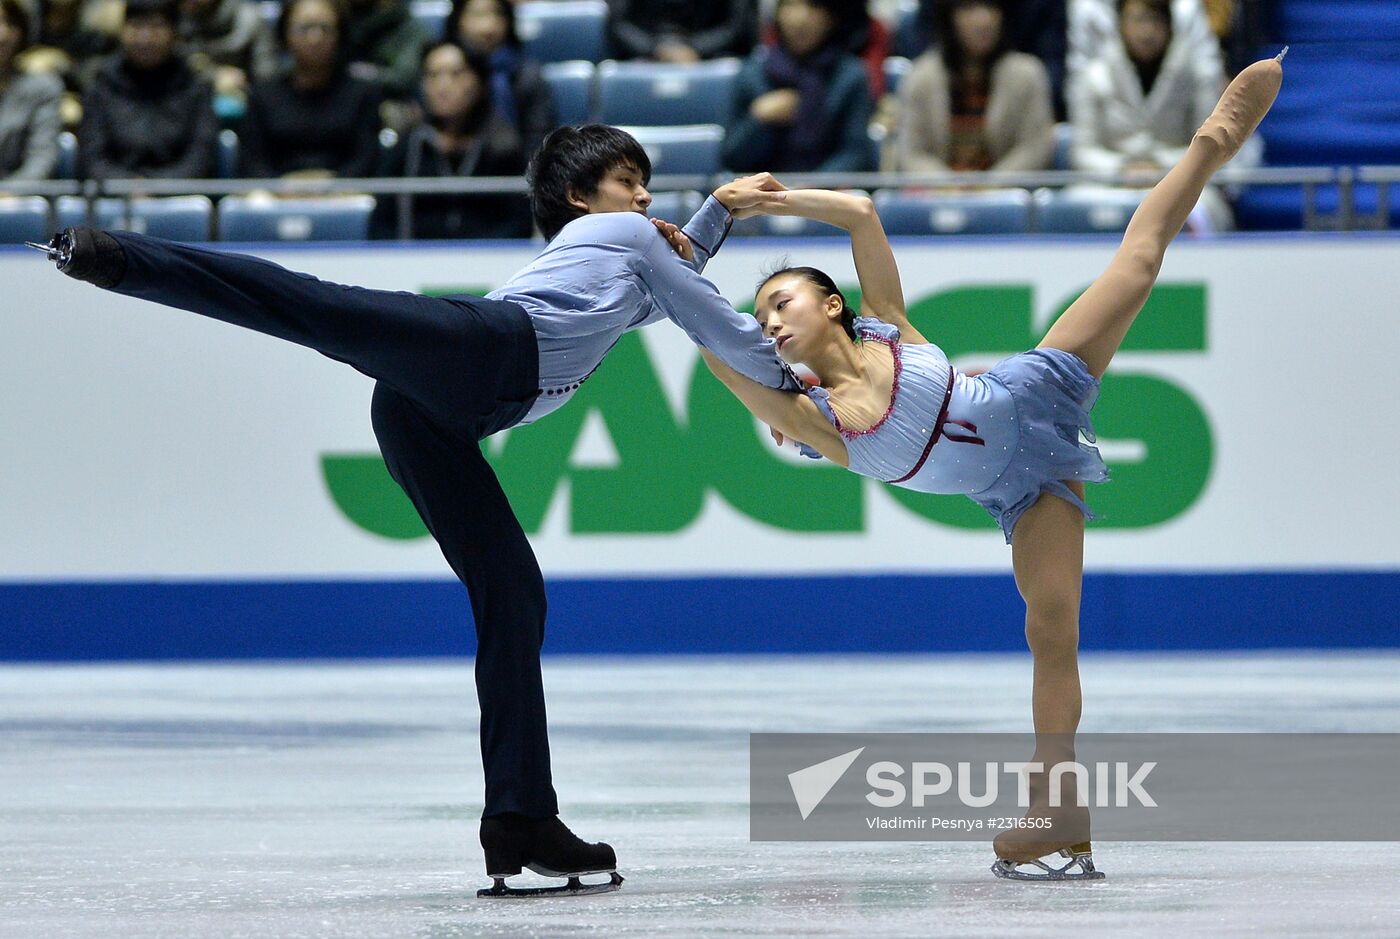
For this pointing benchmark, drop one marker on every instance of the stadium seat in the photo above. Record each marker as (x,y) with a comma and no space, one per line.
(226,159)
(23,218)
(179,218)
(1064,143)
(571,83)
(656,93)
(896,67)
(909,38)
(561,30)
(1085,211)
(431,15)
(1002,212)
(67,167)
(690,149)
(676,207)
(342,218)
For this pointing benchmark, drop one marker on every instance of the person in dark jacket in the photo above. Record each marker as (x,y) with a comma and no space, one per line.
(518,89)
(146,113)
(463,136)
(315,119)
(29,122)
(383,43)
(804,104)
(681,31)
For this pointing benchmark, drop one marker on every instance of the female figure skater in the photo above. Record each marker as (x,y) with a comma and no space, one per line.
(890,406)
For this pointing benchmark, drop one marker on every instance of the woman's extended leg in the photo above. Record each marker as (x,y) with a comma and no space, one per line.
(1094,326)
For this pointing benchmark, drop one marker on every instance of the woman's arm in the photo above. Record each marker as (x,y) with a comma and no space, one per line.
(882,296)
(790,414)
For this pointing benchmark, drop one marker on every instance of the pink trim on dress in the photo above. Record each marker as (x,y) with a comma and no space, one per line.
(894,392)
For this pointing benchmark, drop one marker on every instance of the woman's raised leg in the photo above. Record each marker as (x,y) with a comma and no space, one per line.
(1094,326)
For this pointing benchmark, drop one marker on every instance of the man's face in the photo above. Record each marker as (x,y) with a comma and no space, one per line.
(620,190)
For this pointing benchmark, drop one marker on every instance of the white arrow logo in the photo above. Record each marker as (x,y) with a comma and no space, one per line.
(810,785)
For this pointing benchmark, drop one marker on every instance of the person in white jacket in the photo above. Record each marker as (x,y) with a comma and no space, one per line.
(1135,103)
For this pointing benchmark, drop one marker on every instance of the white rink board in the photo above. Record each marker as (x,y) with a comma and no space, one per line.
(142,442)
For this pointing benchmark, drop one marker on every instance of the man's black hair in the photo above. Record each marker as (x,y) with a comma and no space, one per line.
(575,160)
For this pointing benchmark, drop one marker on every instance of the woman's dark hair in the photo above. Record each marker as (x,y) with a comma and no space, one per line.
(338,7)
(18,18)
(451,27)
(823,283)
(478,65)
(951,50)
(575,160)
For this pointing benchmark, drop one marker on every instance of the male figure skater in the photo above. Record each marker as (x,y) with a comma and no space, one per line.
(451,371)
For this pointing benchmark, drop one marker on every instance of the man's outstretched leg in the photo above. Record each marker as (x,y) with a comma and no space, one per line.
(460,500)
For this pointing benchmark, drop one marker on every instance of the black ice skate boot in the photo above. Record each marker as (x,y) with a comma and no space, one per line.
(547,847)
(86,254)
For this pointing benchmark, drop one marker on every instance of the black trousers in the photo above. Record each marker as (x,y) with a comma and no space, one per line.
(448,372)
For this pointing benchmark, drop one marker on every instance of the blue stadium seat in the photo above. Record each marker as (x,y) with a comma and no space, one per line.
(690,149)
(67,167)
(1064,143)
(23,218)
(1096,210)
(909,38)
(226,159)
(655,93)
(676,207)
(178,218)
(269,11)
(431,15)
(1001,212)
(561,30)
(896,67)
(343,218)
(571,83)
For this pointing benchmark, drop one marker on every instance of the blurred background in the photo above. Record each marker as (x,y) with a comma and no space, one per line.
(174,488)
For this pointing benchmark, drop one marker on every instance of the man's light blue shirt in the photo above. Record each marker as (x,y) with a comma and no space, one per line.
(611,272)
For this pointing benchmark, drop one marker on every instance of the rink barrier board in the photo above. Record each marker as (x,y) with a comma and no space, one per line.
(94,621)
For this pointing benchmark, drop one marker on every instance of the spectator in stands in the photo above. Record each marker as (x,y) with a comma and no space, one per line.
(970,103)
(519,92)
(227,42)
(29,121)
(804,103)
(681,31)
(69,44)
(1093,27)
(463,136)
(383,44)
(146,113)
(315,120)
(1138,103)
(1037,27)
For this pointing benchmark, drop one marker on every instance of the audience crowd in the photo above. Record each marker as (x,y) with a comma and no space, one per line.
(358,88)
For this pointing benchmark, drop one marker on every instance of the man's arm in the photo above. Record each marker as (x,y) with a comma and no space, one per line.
(696,305)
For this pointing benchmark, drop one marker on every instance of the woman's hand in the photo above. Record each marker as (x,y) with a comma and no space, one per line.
(675,238)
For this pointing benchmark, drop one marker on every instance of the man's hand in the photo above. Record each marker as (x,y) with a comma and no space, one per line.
(747,195)
(675,238)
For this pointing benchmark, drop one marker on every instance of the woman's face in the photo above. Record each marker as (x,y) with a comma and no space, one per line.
(450,88)
(795,312)
(9,43)
(1145,32)
(802,27)
(977,27)
(147,40)
(313,33)
(483,25)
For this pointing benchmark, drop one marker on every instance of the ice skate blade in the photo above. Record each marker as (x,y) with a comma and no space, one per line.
(574,888)
(1080,866)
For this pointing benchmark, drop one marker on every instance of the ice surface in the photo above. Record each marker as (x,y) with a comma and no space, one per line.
(339,800)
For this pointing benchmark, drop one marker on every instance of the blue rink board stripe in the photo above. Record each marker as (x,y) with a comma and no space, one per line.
(320,619)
